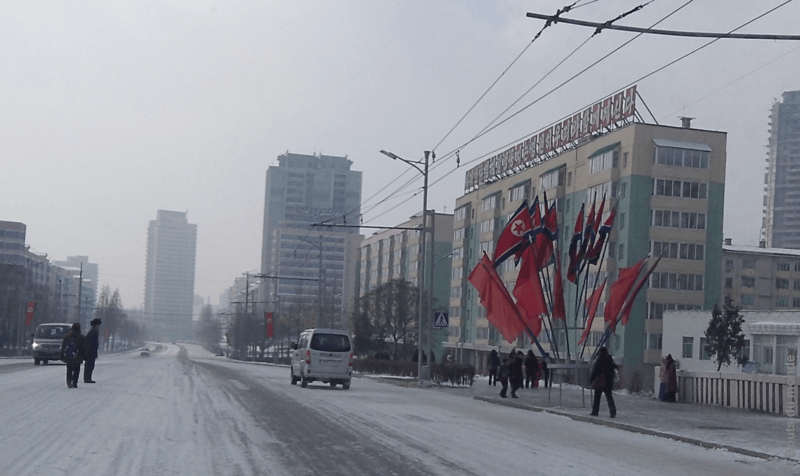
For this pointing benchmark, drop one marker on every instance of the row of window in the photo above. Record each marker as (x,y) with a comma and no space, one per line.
(688,251)
(675,157)
(674,219)
(677,188)
(655,310)
(603,162)
(677,281)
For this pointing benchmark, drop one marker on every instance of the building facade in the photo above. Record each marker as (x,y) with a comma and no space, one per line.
(761,278)
(309,271)
(781,222)
(396,254)
(169,275)
(667,185)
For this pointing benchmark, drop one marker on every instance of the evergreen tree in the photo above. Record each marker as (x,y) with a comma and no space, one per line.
(724,336)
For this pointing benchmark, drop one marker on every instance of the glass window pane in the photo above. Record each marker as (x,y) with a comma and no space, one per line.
(673,250)
(684,249)
(703,192)
(687,189)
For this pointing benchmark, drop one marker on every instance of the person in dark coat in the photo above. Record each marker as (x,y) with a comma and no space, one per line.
(74,363)
(515,376)
(93,341)
(602,379)
(545,372)
(494,366)
(670,379)
(531,370)
(503,374)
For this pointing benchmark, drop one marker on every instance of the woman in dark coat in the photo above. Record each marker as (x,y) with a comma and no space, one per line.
(670,379)
(515,375)
(494,366)
(531,370)
(76,340)
(602,380)
(503,373)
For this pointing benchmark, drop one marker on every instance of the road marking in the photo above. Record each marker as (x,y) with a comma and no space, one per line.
(240,385)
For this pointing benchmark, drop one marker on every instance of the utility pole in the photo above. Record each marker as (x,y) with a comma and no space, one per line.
(80,291)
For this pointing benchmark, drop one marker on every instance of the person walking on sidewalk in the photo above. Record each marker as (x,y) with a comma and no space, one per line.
(602,380)
(531,370)
(515,375)
(503,373)
(671,379)
(73,350)
(93,341)
(494,366)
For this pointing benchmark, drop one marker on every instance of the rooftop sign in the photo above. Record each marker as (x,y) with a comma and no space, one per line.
(554,139)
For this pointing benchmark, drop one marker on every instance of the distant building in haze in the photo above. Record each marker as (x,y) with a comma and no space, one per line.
(303,190)
(169,275)
(781,223)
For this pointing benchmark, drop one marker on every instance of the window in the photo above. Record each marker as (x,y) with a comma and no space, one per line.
(797,266)
(795,302)
(551,180)
(688,350)
(597,192)
(796,284)
(489,203)
(458,234)
(728,283)
(455,292)
(654,341)
(621,254)
(569,179)
(748,282)
(748,263)
(486,226)
(728,265)
(678,157)
(458,253)
(703,351)
(677,188)
(747,299)
(460,214)
(457,273)
(601,162)
(745,349)
(624,160)
(763,352)
(488,247)
(677,281)
(517,193)
(781,283)
(621,221)
(783,266)
(781,301)
(623,188)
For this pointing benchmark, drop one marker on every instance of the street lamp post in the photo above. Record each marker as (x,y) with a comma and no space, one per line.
(423,251)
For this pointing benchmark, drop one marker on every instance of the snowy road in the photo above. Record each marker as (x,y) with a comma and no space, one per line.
(187,413)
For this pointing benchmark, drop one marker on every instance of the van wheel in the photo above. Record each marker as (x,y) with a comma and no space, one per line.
(35,361)
(303,381)
(346,385)
(294,379)
(333,384)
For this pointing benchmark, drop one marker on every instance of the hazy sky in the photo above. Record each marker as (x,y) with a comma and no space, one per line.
(110,111)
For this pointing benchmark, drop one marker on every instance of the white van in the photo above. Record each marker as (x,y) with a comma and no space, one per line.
(324,355)
(47,341)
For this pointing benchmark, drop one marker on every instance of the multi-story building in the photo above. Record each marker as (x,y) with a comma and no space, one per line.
(761,278)
(396,254)
(309,271)
(169,275)
(781,223)
(667,185)
(81,271)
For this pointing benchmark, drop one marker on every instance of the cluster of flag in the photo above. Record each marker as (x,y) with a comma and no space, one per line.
(531,239)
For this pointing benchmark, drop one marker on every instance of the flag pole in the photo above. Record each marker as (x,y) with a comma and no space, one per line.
(597,278)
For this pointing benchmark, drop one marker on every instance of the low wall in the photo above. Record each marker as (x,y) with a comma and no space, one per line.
(761,392)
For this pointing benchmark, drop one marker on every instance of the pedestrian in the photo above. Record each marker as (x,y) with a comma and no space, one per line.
(662,378)
(503,374)
(671,380)
(602,380)
(531,369)
(515,375)
(73,350)
(93,342)
(494,366)
(545,372)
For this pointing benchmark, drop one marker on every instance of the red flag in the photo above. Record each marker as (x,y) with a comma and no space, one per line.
(574,246)
(621,289)
(529,294)
(603,233)
(626,310)
(559,309)
(592,303)
(270,329)
(500,309)
(514,236)
(29,313)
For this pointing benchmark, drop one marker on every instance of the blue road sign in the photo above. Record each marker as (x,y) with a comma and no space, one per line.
(441,320)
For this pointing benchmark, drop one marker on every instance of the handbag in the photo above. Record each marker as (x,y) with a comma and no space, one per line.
(599,383)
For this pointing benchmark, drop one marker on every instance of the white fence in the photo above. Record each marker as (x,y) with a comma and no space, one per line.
(761,392)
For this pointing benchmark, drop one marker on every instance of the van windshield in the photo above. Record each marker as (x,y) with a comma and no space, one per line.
(330,342)
(51,332)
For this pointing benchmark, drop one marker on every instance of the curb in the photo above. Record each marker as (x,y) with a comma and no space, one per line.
(632,428)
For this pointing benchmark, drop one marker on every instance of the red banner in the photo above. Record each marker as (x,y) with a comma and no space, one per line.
(270,329)
(29,313)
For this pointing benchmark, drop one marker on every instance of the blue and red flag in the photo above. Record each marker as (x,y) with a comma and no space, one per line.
(543,245)
(602,234)
(514,237)
(574,247)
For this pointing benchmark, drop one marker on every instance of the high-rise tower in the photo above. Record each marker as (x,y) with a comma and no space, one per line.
(303,190)
(169,275)
(780,227)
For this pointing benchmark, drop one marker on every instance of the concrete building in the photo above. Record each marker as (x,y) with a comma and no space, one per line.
(761,278)
(310,269)
(169,275)
(781,222)
(395,254)
(667,184)
(79,267)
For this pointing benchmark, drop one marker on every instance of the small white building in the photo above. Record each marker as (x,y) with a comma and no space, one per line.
(771,341)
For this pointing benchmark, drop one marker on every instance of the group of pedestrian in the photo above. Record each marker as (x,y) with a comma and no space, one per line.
(516,371)
(77,348)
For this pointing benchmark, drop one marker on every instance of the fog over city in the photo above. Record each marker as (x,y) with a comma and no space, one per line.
(114,110)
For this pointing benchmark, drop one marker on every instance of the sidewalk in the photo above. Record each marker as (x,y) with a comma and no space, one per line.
(747,432)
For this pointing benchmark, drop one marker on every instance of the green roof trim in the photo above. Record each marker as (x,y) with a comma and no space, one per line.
(520,183)
(605,149)
(492,194)
(553,169)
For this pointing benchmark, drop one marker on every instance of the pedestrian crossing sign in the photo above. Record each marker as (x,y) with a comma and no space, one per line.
(441,320)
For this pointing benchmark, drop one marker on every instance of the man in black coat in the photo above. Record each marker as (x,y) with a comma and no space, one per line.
(74,340)
(515,376)
(602,379)
(93,341)
(531,369)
